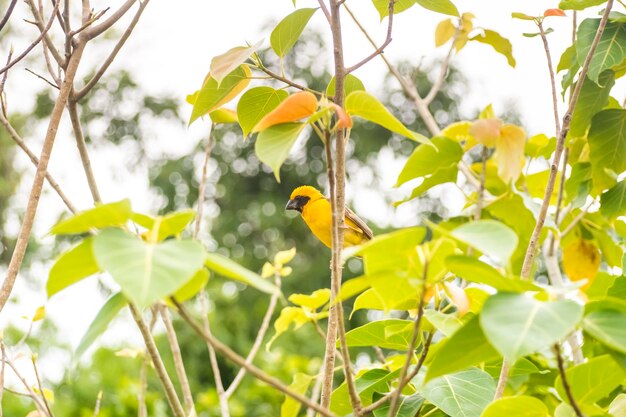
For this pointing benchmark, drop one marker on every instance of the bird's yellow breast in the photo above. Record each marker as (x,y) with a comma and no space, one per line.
(317,215)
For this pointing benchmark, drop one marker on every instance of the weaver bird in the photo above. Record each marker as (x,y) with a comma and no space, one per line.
(316,212)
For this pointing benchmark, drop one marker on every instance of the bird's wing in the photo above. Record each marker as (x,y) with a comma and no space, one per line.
(350,215)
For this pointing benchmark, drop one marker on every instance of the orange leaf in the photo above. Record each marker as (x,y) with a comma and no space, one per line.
(509,155)
(295,107)
(344,121)
(486,131)
(581,260)
(458,297)
(553,12)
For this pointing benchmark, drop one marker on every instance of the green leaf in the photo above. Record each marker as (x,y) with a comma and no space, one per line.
(521,406)
(441,176)
(609,53)
(579,184)
(408,406)
(607,146)
(384,252)
(445,323)
(382,6)
(500,44)
(255,103)
(100,217)
(147,272)
(518,325)
(274,144)
(107,313)
(467,347)
(193,286)
(592,99)
(350,84)
(288,30)
(427,160)
(221,265)
(607,326)
(473,270)
(463,394)
(164,226)
(568,56)
(224,64)
(578,4)
(300,384)
(387,334)
(613,201)
(540,145)
(490,237)
(365,105)
(214,95)
(71,267)
(314,301)
(439,6)
(592,380)
(522,16)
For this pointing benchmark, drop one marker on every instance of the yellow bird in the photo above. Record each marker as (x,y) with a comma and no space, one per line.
(316,212)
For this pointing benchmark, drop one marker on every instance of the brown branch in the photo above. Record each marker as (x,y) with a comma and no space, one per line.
(541,218)
(179,365)
(566,387)
(555,108)
(20,142)
(7,15)
(42,35)
(240,361)
(382,47)
(35,193)
(82,150)
(287,80)
(170,392)
(41,77)
(202,187)
(2,369)
(89,22)
(78,95)
(265,324)
(217,376)
(40,385)
(94,31)
(325,10)
(443,71)
(408,378)
(31,393)
(502,379)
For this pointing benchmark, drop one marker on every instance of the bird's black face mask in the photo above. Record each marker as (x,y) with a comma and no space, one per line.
(297,203)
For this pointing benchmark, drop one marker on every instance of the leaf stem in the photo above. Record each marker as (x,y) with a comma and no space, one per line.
(566,386)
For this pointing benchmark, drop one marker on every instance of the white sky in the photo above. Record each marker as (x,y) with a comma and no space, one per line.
(170,52)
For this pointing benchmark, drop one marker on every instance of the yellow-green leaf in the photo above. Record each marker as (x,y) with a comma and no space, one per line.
(288,30)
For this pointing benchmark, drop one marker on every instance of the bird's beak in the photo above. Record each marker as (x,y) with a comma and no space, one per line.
(291,205)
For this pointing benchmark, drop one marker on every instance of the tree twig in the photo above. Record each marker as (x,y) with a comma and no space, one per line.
(555,108)
(2,369)
(31,393)
(443,71)
(7,15)
(324,10)
(40,385)
(82,150)
(179,364)
(253,370)
(94,31)
(96,408)
(202,186)
(78,95)
(382,47)
(566,386)
(155,356)
(41,77)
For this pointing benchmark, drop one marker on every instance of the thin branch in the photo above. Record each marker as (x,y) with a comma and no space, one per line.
(253,370)
(502,379)
(576,220)
(42,35)
(40,385)
(142,409)
(78,95)
(566,386)
(35,193)
(443,72)
(382,47)
(89,22)
(2,369)
(217,376)
(96,408)
(7,15)
(393,407)
(555,108)
(94,31)
(179,365)
(408,378)
(534,239)
(481,189)
(170,392)
(315,394)
(41,77)
(31,393)
(20,142)
(287,80)
(265,324)
(4,80)
(324,10)
(202,187)
(82,150)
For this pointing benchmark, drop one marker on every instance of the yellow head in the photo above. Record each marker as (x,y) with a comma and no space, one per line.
(301,196)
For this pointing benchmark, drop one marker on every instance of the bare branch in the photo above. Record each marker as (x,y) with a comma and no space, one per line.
(89,22)
(170,392)
(202,187)
(7,15)
(94,31)
(541,218)
(265,324)
(78,95)
(179,365)
(31,393)
(555,108)
(20,142)
(41,77)
(286,80)
(566,387)
(42,35)
(443,72)
(382,47)
(40,385)
(2,369)
(324,10)
(82,150)
(502,379)
(253,370)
